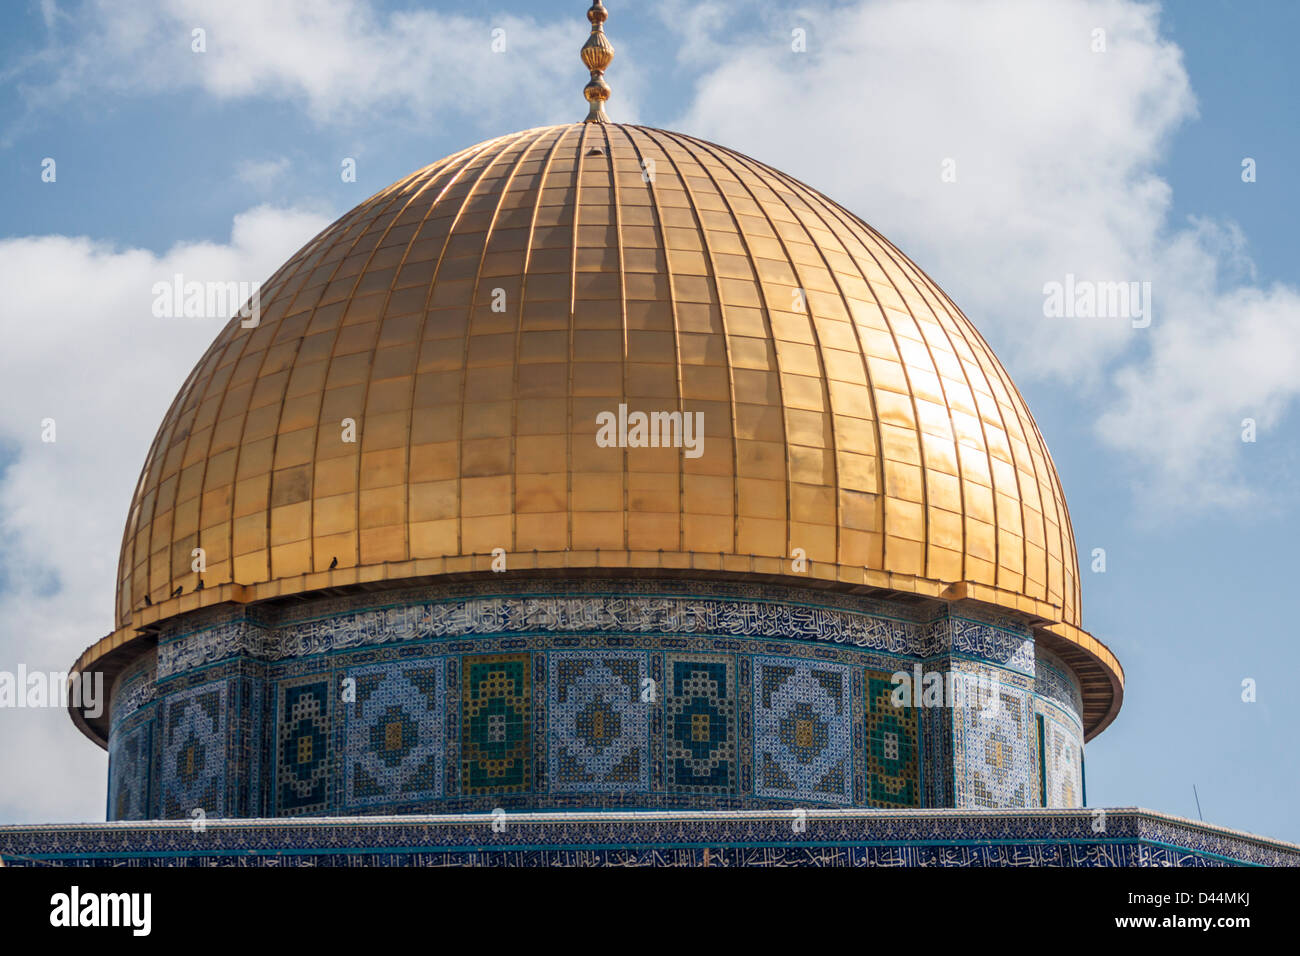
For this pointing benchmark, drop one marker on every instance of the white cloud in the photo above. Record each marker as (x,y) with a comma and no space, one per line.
(262,174)
(1225,351)
(1057,151)
(82,347)
(343,60)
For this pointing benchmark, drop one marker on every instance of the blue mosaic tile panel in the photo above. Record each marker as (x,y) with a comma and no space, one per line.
(994,752)
(598,728)
(1064,765)
(303,761)
(700,725)
(803,738)
(496,724)
(129,764)
(193,753)
(394,741)
(893,742)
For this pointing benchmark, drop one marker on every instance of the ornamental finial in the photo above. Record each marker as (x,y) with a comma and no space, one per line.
(597,53)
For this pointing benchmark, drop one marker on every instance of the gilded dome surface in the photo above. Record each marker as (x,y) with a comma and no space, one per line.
(474,320)
(468,327)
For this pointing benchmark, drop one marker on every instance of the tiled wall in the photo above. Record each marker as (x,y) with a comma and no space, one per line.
(616,695)
(1057,700)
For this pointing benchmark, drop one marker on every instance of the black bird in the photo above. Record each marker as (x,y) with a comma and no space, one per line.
(199,586)
(177,592)
(334,564)
(147,602)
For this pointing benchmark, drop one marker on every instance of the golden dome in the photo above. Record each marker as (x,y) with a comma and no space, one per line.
(474,319)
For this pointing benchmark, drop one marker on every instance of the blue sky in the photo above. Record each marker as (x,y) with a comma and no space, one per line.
(1119,165)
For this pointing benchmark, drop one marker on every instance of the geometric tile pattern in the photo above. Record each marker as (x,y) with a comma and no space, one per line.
(937,758)
(194,752)
(659,705)
(700,724)
(993,752)
(598,726)
(803,743)
(303,767)
(1064,769)
(893,774)
(394,748)
(128,774)
(496,724)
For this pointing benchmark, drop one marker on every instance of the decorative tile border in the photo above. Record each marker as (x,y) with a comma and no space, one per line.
(1130,837)
(591,605)
(1053,680)
(134,688)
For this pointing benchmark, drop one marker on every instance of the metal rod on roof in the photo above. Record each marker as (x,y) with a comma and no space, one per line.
(597,53)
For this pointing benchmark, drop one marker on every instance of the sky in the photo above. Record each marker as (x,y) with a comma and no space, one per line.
(1002,144)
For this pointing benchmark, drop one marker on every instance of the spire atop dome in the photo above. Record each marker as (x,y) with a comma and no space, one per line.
(597,53)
